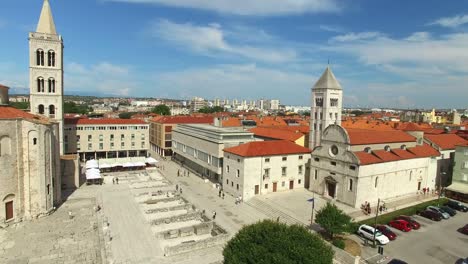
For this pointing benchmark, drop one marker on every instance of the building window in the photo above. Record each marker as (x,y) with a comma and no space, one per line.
(227,181)
(90,137)
(283,184)
(238,173)
(301,157)
(112,137)
(266,186)
(316,159)
(465,165)
(112,145)
(237,186)
(122,136)
(51,58)
(142,144)
(51,85)
(101,146)
(34,141)
(334,102)
(316,174)
(465,177)
(285,158)
(267,173)
(232,184)
(90,146)
(350,185)
(133,144)
(299,181)
(40,85)
(41,109)
(267,160)
(333,163)
(227,169)
(376,181)
(142,136)
(39,57)
(352,167)
(300,169)
(319,102)
(101,137)
(283,171)
(122,144)
(133,136)
(410,175)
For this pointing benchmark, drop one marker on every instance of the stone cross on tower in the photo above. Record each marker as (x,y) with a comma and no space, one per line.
(327,100)
(46,70)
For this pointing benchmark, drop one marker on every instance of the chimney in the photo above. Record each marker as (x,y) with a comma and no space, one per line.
(4,100)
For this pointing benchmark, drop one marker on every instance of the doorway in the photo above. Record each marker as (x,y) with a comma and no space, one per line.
(9,210)
(331,189)
(257,189)
(291,185)
(275,185)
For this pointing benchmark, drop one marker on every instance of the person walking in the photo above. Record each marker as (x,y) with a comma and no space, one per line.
(214,215)
(219,193)
(223,195)
(177,187)
(113,180)
(178,173)
(180,190)
(117,180)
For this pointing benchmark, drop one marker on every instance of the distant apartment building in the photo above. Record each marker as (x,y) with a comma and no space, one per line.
(161,131)
(179,110)
(101,109)
(106,138)
(263,167)
(197,103)
(200,147)
(459,188)
(272,105)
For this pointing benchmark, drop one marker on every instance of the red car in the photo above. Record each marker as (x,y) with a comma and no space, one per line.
(400,225)
(387,232)
(413,223)
(463,230)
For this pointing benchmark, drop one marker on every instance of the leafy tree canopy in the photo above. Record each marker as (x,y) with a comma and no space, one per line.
(161,110)
(126,115)
(20,105)
(269,242)
(210,110)
(333,220)
(73,108)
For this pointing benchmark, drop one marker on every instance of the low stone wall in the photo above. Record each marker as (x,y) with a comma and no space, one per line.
(168,209)
(196,245)
(162,200)
(198,229)
(178,218)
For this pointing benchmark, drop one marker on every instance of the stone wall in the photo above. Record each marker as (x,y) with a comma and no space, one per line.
(196,245)
(178,218)
(70,172)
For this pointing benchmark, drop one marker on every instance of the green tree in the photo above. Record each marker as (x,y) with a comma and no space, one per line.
(210,110)
(20,105)
(126,115)
(162,110)
(333,220)
(73,108)
(269,242)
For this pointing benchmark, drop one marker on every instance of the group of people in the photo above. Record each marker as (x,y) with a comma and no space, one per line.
(178,189)
(185,173)
(221,193)
(115,180)
(366,207)
(427,190)
(238,199)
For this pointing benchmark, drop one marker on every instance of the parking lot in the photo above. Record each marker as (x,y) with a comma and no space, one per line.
(434,242)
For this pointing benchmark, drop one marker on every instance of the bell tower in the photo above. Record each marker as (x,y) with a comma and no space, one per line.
(327,100)
(46,70)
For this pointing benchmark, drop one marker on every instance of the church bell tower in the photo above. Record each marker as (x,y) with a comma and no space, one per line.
(46,70)
(327,100)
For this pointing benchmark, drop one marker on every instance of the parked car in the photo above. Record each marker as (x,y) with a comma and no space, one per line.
(400,225)
(434,216)
(448,210)
(414,224)
(462,261)
(457,206)
(437,210)
(368,232)
(397,261)
(464,230)
(387,232)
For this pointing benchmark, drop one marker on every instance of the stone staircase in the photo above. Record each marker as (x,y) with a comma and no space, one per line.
(274,213)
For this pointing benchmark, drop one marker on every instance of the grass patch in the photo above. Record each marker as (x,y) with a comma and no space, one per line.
(412,210)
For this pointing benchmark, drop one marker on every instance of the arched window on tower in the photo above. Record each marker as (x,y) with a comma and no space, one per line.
(39,57)
(51,85)
(40,85)
(41,109)
(51,58)
(52,111)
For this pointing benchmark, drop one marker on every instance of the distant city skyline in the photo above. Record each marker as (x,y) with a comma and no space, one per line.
(387,54)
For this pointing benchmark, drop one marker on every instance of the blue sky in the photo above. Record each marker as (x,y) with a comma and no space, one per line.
(385,53)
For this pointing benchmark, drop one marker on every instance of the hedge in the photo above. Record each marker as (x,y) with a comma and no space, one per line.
(412,210)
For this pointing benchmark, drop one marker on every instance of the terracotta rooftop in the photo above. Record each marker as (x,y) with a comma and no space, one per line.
(366,124)
(184,120)
(267,148)
(381,156)
(273,133)
(445,141)
(8,112)
(365,136)
(232,122)
(103,121)
(409,126)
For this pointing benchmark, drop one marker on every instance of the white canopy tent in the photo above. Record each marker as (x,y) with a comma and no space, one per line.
(93,174)
(151,161)
(92,164)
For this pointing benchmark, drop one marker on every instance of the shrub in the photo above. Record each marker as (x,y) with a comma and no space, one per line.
(339,243)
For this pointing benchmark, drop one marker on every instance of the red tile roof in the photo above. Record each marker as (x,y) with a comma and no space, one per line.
(409,126)
(232,122)
(184,120)
(364,136)
(304,129)
(273,133)
(103,121)
(445,141)
(381,156)
(267,148)
(8,112)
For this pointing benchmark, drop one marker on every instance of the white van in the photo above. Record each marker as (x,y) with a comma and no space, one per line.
(368,232)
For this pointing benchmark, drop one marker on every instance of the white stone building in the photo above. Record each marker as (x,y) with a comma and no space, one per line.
(262,167)
(29,162)
(46,70)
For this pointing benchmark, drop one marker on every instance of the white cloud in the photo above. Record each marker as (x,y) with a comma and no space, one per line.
(244,80)
(349,37)
(451,22)
(211,40)
(331,28)
(250,7)
(419,36)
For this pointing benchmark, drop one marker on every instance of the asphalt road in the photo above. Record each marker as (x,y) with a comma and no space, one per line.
(434,242)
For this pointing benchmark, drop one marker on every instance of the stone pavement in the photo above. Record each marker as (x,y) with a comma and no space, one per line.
(56,238)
